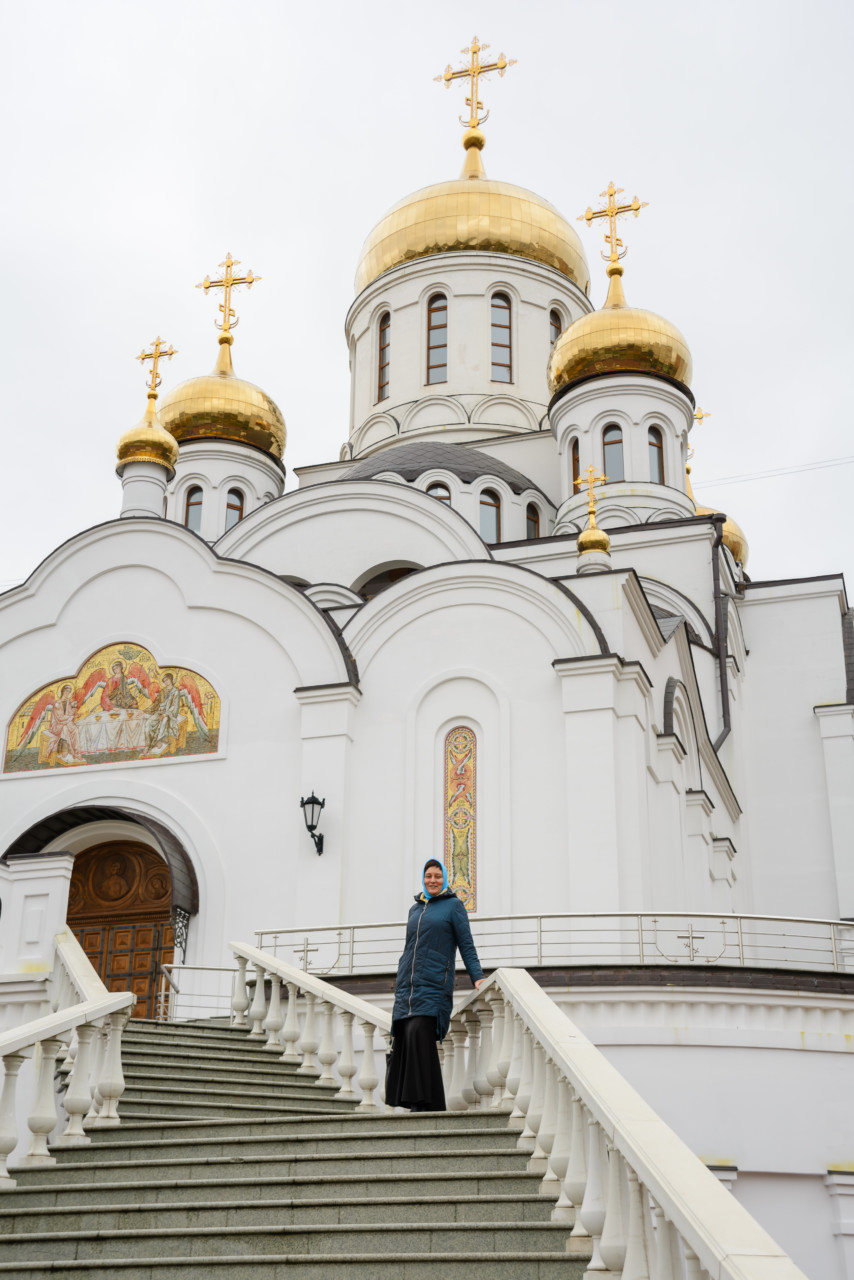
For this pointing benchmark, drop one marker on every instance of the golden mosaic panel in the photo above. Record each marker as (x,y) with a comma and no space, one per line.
(460,804)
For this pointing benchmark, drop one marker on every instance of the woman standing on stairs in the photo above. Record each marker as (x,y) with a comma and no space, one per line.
(424,991)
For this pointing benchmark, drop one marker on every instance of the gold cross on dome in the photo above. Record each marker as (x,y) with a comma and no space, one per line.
(228,282)
(612,212)
(700,416)
(154,355)
(591,480)
(474,70)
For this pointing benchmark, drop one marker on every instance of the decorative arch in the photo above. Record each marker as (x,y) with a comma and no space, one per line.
(374,431)
(503,410)
(678,721)
(429,412)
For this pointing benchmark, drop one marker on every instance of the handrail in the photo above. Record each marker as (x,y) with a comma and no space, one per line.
(86,1022)
(359,1008)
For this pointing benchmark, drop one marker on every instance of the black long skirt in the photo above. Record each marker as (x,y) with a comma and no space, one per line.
(414,1078)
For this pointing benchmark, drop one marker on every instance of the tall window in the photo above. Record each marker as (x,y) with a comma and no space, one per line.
(437,338)
(532,520)
(656,456)
(554,327)
(193,509)
(502,364)
(490,516)
(612,449)
(383,359)
(460,806)
(576,464)
(440,491)
(233,509)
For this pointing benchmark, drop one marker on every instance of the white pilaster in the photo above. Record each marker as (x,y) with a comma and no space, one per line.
(836,724)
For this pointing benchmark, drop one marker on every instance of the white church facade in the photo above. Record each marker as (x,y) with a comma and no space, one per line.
(427,636)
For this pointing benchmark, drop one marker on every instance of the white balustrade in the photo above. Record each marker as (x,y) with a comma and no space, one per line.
(258,1008)
(274,1021)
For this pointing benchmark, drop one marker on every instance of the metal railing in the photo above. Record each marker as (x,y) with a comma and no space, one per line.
(569,939)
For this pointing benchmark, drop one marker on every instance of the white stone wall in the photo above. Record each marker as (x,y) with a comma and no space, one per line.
(216,467)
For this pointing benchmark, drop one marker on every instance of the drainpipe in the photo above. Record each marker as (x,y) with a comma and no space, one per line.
(720,630)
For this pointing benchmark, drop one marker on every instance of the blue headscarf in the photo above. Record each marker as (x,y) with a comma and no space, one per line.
(431,862)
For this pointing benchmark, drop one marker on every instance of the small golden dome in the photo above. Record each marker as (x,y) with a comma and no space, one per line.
(733,534)
(220,406)
(593,539)
(476,213)
(148,442)
(619,339)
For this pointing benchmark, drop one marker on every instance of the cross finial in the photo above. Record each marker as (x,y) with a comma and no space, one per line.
(158,350)
(227,282)
(701,415)
(612,212)
(474,71)
(591,480)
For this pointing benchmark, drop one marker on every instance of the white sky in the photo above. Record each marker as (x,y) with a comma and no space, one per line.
(143,141)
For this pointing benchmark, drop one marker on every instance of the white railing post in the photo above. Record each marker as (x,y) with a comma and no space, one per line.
(546,1132)
(368,1078)
(668,1265)
(592,1211)
(612,1246)
(78,1095)
(470,1093)
(481,1082)
(528,1138)
(12,1064)
(636,1264)
(274,1021)
(446,1052)
(456,1102)
(111,1083)
(559,1158)
(43,1117)
(258,1010)
(328,1054)
(240,996)
(575,1182)
(347,1063)
(505,1056)
(290,1034)
(493,1070)
(100,1042)
(521,1077)
(309,1042)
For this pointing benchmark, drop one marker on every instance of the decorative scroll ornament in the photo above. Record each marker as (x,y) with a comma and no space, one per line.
(180,926)
(461,814)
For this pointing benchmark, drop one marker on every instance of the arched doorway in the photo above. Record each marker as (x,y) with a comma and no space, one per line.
(119,908)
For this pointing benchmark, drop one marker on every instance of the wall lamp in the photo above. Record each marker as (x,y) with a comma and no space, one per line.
(311,812)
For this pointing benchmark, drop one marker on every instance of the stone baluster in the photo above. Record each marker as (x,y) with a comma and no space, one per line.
(309,1042)
(258,1010)
(636,1262)
(100,1043)
(592,1210)
(456,1101)
(693,1270)
(505,1056)
(347,1064)
(471,1096)
(111,1081)
(447,1048)
(274,1021)
(523,1080)
(493,1070)
(70,1053)
(575,1181)
(240,996)
(559,1158)
(78,1094)
(528,1137)
(43,1117)
(550,1185)
(612,1246)
(368,1078)
(481,1083)
(290,1033)
(328,1052)
(12,1064)
(668,1265)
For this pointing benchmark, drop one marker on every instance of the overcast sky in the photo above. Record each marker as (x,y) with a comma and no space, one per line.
(142,142)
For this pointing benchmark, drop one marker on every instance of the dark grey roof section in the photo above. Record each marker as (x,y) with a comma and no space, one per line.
(411,461)
(848,649)
(667,622)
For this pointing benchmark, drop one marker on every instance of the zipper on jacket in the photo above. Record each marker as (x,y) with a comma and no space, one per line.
(414,951)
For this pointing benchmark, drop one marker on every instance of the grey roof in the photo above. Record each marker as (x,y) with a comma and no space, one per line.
(411,461)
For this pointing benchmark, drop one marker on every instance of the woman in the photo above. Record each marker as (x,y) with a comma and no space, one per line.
(424,991)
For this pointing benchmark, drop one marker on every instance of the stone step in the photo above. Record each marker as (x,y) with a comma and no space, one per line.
(253,1065)
(139,1103)
(197,1083)
(343,1122)
(176,1035)
(325,1240)
(200,1050)
(284,1213)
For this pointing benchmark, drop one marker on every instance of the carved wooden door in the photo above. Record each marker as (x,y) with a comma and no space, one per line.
(119,908)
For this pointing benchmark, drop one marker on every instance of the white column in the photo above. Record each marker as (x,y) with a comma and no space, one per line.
(143,489)
(836,724)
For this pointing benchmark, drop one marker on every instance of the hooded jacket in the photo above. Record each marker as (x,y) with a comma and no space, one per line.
(425,975)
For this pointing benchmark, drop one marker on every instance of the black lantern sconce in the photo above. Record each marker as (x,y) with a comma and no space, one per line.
(311,812)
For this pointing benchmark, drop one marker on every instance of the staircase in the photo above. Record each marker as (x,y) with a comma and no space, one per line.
(229,1164)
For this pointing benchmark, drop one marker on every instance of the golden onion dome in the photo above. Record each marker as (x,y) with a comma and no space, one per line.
(593,539)
(473,213)
(148,442)
(734,538)
(619,339)
(220,406)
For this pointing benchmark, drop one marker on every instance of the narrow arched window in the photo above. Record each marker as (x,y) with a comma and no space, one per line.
(383,357)
(502,362)
(576,465)
(490,516)
(233,509)
(440,491)
(656,456)
(532,520)
(555,327)
(612,451)
(193,509)
(437,338)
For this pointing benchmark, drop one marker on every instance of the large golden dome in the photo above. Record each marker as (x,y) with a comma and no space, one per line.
(220,406)
(473,212)
(619,339)
(148,442)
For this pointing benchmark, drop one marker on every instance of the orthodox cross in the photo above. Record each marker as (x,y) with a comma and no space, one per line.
(700,416)
(689,939)
(612,212)
(591,480)
(475,69)
(303,952)
(228,282)
(154,355)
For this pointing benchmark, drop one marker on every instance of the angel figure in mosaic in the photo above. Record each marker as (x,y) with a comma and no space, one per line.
(165,723)
(55,717)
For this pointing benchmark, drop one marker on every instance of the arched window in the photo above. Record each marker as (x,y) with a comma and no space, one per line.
(502,363)
(439,490)
(656,456)
(555,327)
(532,520)
(490,516)
(384,579)
(193,509)
(383,357)
(612,451)
(576,464)
(233,509)
(437,338)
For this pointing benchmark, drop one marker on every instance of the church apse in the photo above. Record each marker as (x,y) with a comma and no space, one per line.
(461,814)
(121,706)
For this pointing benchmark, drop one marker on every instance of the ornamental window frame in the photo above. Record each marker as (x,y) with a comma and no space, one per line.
(441,368)
(483,501)
(533,516)
(195,504)
(556,321)
(613,444)
(655,446)
(498,348)
(383,356)
(235,500)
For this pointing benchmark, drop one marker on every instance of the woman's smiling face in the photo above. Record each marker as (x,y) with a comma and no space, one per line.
(433,881)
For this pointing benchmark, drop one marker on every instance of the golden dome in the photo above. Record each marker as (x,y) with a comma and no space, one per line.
(220,406)
(473,212)
(148,442)
(619,339)
(733,535)
(593,539)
